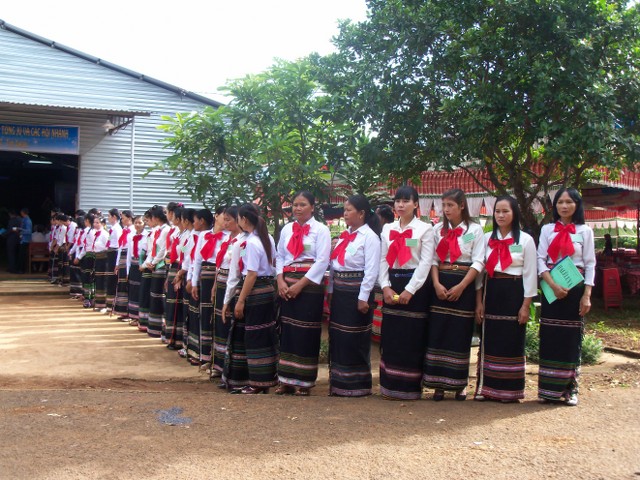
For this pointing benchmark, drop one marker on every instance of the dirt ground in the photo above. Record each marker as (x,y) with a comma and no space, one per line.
(85,396)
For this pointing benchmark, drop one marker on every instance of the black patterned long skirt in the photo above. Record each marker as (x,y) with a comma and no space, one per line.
(220,328)
(112,278)
(236,370)
(122,290)
(186,305)
(87,265)
(193,336)
(561,331)
(207,279)
(172,331)
(145,300)
(260,334)
(349,338)
(156,304)
(449,337)
(403,340)
(501,365)
(301,322)
(64,267)
(135,277)
(101,279)
(75,278)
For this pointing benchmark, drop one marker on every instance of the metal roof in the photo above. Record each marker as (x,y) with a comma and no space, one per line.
(112,66)
(27,106)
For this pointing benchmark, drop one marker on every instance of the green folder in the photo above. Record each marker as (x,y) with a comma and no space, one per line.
(565,274)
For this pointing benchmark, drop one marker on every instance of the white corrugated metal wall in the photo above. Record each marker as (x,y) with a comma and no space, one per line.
(42,85)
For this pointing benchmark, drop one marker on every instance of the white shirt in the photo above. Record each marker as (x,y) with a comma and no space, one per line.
(584,255)
(97,240)
(317,248)
(115,231)
(71,232)
(523,262)
(187,263)
(226,261)
(362,254)
(471,244)
(81,249)
(160,243)
(126,245)
(61,235)
(234,271)
(198,259)
(421,253)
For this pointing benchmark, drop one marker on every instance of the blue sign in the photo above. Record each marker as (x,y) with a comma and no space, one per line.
(39,139)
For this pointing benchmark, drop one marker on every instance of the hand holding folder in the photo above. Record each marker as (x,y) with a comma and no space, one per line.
(565,274)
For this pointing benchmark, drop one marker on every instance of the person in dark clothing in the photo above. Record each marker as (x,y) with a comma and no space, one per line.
(26,230)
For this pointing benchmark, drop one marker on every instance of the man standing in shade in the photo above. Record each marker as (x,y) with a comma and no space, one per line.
(25,238)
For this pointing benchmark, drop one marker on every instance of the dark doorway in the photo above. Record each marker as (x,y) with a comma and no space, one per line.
(38,181)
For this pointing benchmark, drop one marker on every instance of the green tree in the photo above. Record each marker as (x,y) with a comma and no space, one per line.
(276,136)
(536,93)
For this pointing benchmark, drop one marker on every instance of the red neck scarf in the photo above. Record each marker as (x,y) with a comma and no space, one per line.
(295,245)
(168,244)
(79,238)
(154,248)
(243,246)
(192,255)
(122,241)
(341,248)
(96,238)
(500,251)
(398,248)
(562,245)
(210,241)
(449,245)
(223,251)
(136,241)
(109,241)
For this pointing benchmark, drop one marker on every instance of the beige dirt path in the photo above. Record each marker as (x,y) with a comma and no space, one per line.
(85,396)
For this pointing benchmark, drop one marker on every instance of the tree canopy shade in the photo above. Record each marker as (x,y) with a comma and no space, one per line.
(535,92)
(275,137)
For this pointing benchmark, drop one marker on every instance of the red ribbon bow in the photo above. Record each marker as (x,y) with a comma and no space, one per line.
(210,241)
(240,262)
(223,251)
(192,255)
(136,240)
(449,245)
(168,245)
(341,248)
(295,245)
(156,235)
(173,255)
(562,245)
(398,248)
(122,241)
(500,251)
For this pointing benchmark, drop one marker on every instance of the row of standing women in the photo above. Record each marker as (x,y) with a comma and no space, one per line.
(206,286)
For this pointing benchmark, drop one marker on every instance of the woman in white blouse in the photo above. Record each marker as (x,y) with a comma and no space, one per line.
(405,259)
(254,298)
(458,259)
(510,264)
(301,262)
(355,263)
(562,321)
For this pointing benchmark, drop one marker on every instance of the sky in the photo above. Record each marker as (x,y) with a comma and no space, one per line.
(197,45)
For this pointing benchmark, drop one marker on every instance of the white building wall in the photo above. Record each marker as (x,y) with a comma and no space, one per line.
(43,85)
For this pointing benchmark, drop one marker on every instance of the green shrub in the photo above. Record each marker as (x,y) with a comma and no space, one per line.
(591,345)
(324,351)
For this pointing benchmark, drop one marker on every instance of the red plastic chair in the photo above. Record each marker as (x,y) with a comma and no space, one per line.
(611,288)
